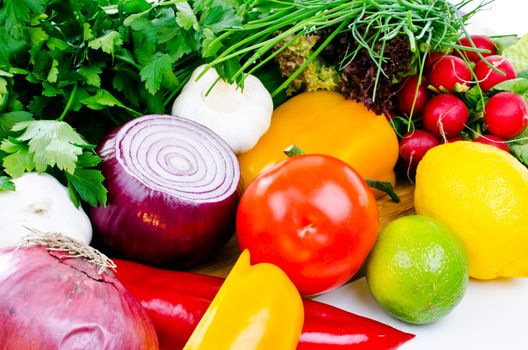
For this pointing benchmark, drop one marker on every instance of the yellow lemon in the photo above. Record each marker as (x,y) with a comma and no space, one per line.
(481,193)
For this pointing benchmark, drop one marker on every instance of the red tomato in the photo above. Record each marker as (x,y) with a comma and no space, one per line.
(311,215)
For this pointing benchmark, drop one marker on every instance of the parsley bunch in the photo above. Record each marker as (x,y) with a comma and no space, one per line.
(70,68)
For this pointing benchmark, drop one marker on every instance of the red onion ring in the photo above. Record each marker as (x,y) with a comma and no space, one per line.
(172,186)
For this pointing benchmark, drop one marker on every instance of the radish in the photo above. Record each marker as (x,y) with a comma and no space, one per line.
(413,147)
(445,116)
(506,115)
(408,96)
(488,78)
(493,141)
(480,42)
(454,139)
(450,74)
(431,59)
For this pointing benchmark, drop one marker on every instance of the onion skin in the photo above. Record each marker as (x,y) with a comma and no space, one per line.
(51,302)
(181,218)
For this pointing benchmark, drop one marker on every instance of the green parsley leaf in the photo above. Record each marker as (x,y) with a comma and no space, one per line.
(6,184)
(152,73)
(37,35)
(51,143)
(185,16)
(74,196)
(121,82)
(9,119)
(182,44)
(3,86)
(218,18)
(15,14)
(38,104)
(101,100)
(134,6)
(50,90)
(91,74)
(107,43)
(88,160)
(19,161)
(88,183)
(87,32)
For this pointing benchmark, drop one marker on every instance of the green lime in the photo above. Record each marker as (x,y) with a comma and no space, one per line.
(418,269)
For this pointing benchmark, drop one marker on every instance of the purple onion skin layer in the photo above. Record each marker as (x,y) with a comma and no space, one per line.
(143,220)
(51,302)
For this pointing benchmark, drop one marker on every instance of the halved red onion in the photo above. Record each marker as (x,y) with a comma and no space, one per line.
(172,191)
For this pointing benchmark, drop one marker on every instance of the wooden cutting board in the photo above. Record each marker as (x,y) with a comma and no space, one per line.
(222,263)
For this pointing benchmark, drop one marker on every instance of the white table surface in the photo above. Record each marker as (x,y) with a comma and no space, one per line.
(492,315)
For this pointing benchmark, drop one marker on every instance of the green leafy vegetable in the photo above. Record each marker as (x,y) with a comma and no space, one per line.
(9,119)
(109,42)
(88,183)
(51,143)
(519,86)
(517,54)
(45,144)
(519,147)
(6,184)
(19,160)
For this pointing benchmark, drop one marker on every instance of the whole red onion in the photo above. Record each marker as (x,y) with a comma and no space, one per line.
(54,296)
(172,191)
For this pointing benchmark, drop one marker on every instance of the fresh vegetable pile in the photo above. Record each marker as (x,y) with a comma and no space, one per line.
(96,64)
(175,123)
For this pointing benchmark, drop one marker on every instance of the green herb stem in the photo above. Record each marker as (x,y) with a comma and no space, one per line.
(71,99)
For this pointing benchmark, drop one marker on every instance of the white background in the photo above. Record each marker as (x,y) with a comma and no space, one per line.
(492,314)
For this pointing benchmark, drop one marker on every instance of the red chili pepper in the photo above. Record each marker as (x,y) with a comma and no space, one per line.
(176,301)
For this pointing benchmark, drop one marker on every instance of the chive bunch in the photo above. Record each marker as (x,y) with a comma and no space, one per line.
(429,25)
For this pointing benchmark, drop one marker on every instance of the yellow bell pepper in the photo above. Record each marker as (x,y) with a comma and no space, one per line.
(325,122)
(257,308)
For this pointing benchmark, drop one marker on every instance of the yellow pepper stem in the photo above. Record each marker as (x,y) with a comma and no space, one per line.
(257,308)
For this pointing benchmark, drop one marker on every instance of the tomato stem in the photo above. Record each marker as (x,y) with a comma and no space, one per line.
(293,150)
(385,187)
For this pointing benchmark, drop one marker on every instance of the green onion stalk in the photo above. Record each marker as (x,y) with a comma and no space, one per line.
(429,25)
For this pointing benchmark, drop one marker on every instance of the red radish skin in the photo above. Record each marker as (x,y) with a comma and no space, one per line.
(488,78)
(450,74)
(493,141)
(506,115)
(431,59)
(413,147)
(408,96)
(480,42)
(445,116)
(454,139)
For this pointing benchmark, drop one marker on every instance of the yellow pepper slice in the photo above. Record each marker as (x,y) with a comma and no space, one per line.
(325,122)
(257,308)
